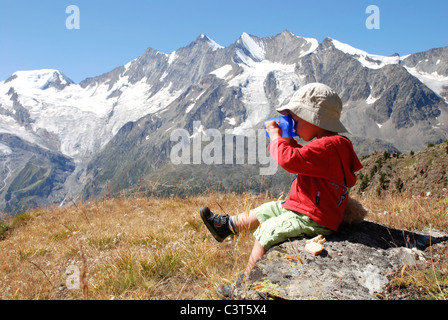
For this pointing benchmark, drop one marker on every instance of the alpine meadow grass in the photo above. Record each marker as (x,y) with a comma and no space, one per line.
(135,247)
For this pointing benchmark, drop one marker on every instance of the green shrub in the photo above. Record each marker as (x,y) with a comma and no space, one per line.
(3,230)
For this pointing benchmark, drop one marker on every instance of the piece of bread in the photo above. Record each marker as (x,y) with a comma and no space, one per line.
(315,245)
(318,239)
(314,248)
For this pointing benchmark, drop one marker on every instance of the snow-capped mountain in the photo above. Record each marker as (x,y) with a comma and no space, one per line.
(66,138)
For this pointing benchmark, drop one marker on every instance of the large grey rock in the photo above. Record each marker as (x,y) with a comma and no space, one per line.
(354,265)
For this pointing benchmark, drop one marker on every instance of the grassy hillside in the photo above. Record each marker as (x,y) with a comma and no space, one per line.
(423,173)
(147,247)
(122,248)
(150,248)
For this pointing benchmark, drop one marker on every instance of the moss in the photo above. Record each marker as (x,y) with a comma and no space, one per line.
(266,286)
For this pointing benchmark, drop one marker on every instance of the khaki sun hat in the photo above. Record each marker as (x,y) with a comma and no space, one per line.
(318,104)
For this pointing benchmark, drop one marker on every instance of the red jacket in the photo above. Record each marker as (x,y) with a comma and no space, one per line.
(325,169)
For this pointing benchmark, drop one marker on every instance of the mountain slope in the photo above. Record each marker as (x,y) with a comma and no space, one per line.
(416,174)
(384,102)
(32,176)
(118,127)
(401,104)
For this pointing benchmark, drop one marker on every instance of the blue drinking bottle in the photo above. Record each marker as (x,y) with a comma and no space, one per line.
(285,123)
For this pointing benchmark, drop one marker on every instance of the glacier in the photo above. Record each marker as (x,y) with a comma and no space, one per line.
(84,119)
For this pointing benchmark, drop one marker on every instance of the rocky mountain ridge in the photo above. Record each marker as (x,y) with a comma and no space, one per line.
(116,128)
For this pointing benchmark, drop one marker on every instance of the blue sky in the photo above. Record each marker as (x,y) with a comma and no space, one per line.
(33,34)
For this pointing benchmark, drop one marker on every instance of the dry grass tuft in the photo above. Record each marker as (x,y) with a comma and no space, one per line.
(410,213)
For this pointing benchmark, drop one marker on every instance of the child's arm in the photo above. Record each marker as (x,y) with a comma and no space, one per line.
(311,159)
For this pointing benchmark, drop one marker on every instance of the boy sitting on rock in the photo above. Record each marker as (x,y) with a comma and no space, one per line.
(325,169)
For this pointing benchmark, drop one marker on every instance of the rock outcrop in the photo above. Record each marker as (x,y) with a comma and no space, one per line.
(354,265)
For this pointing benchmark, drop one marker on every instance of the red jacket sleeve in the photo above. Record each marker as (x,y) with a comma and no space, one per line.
(298,159)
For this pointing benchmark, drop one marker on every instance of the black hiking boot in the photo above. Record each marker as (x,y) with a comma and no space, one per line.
(219,225)
(227,291)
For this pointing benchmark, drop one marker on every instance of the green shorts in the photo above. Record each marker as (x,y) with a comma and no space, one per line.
(278,224)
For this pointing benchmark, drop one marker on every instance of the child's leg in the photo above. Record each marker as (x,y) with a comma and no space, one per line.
(226,291)
(244,221)
(257,252)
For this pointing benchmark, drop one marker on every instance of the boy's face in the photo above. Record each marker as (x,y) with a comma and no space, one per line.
(305,130)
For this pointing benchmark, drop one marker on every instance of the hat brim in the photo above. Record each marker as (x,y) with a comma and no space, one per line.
(303,112)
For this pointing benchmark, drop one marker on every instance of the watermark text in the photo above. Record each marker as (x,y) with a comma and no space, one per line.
(373,20)
(73,20)
(247,148)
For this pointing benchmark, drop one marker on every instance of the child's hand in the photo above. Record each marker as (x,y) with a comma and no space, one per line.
(274,131)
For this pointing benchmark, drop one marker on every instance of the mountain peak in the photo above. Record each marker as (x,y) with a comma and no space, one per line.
(214,45)
(287,33)
(39,79)
(250,47)
(371,61)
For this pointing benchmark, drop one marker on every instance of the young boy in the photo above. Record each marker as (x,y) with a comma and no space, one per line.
(325,169)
